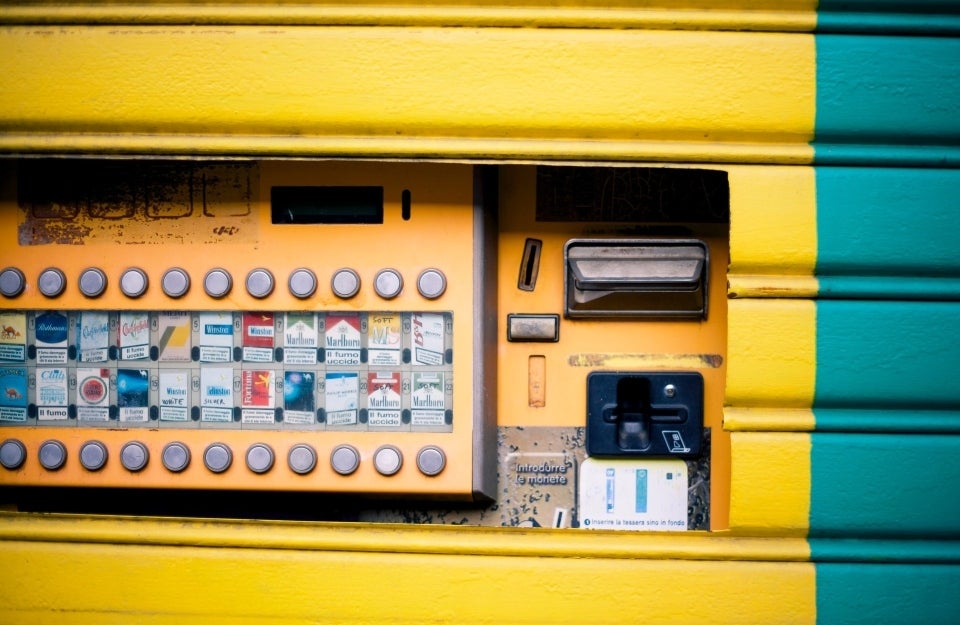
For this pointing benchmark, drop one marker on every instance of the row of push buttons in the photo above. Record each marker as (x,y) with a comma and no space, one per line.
(175,282)
(217,457)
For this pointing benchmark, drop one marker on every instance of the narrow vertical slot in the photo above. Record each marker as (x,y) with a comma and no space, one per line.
(405,205)
(530,265)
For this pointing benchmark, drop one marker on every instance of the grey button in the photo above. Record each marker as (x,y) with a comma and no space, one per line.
(175,457)
(302,459)
(51,282)
(12,454)
(133,282)
(175,282)
(345,283)
(12,282)
(52,455)
(259,458)
(345,459)
(259,283)
(387,460)
(431,460)
(431,283)
(388,283)
(93,282)
(302,283)
(134,456)
(217,457)
(93,455)
(217,283)
(533,327)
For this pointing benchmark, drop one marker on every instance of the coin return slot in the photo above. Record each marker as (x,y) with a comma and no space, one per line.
(636,278)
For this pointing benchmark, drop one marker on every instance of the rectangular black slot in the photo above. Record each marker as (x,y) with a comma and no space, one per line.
(326,205)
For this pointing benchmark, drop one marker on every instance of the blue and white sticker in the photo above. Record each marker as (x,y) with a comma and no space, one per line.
(648,495)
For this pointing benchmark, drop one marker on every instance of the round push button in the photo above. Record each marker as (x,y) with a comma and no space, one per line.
(259,283)
(302,283)
(302,459)
(345,283)
(217,457)
(217,283)
(387,460)
(431,283)
(133,282)
(93,455)
(12,454)
(52,455)
(93,282)
(12,282)
(175,282)
(175,457)
(388,283)
(345,459)
(51,282)
(431,460)
(259,458)
(134,456)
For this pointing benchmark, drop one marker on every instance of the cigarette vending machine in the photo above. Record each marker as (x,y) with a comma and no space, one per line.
(437,343)
(247,327)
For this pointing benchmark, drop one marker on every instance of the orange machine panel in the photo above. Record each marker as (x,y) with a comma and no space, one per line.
(298,326)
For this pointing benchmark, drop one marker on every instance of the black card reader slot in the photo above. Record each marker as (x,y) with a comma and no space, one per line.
(658,414)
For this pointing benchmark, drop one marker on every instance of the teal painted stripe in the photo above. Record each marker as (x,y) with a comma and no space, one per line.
(882,594)
(884,550)
(878,92)
(904,421)
(922,17)
(884,485)
(887,287)
(888,222)
(890,6)
(887,355)
(888,24)
(886,155)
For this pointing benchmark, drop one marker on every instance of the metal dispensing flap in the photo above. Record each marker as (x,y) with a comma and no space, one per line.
(636,278)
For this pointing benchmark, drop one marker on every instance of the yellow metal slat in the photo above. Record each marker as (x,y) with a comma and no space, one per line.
(454,92)
(90,570)
(773,232)
(769,15)
(770,483)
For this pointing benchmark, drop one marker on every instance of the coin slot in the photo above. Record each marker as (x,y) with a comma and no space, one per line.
(530,265)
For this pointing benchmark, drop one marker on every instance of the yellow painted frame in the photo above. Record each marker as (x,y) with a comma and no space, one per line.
(157,571)
(509,93)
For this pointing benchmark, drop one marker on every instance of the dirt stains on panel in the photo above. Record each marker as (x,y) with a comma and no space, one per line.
(77,201)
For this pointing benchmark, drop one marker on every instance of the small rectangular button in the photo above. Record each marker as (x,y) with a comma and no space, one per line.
(533,327)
